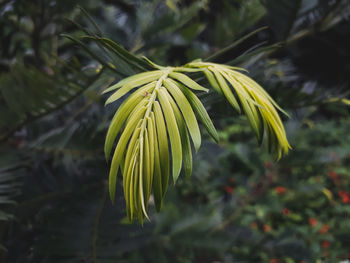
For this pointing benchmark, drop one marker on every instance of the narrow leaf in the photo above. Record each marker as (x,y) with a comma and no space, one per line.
(212,81)
(187,81)
(129,86)
(163,146)
(157,178)
(186,111)
(200,111)
(133,101)
(173,131)
(119,151)
(185,140)
(136,80)
(226,89)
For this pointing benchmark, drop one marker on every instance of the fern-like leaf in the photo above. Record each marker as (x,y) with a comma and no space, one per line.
(158,119)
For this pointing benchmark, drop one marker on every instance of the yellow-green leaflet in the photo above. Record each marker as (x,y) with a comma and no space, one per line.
(141,184)
(137,100)
(157,178)
(185,69)
(187,81)
(128,175)
(257,104)
(125,89)
(213,82)
(173,132)
(151,150)
(147,176)
(200,111)
(163,146)
(119,151)
(185,140)
(226,89)
(249,82)
(136,80)
(186,111)
(249,108)
(133,144)
(135,190)
(198,63)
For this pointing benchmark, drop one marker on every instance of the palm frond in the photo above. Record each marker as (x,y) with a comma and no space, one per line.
(29,93)
(12,168)
(8,189)
(163,112)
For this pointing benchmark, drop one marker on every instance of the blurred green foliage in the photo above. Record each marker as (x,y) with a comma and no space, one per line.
(238,206)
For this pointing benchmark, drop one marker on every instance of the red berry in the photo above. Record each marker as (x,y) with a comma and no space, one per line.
(325,244)
(324,229)
(266,228)
(345,196)
(313,221)
(280,190)
(229,189)
(285,211)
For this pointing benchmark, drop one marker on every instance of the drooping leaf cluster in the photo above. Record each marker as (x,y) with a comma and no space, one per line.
(164,107)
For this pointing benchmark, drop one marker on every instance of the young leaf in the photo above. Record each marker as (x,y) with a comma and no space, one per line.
(119,151)
(186,111)
(187,81)
(163,146)
(185,140)
(173,132)
(200,111)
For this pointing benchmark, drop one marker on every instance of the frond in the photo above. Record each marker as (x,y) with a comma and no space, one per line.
(256,103)
(159,120)
(28,93)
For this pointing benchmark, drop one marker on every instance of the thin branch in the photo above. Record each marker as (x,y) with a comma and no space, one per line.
(234,44)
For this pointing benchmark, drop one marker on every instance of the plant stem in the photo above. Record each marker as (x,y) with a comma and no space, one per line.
(153,99)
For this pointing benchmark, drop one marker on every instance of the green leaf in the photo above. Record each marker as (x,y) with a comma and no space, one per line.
(147,175)
(141,182)
(187,81)
(135,100)
(154,114)
(185,140)
(136,80)
(173,131)
(129,86)
(163,146)
(186,111)
(91,53)
(249,108)
(122,53)
(151,152)
(246,56)
(120,149)
(226,89)
(213,82)
(248,81)
(130,161)
(157,178)
(130,153)
(200,111)
(91,20)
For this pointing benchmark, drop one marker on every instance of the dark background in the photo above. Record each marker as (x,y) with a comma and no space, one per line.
(239,205)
